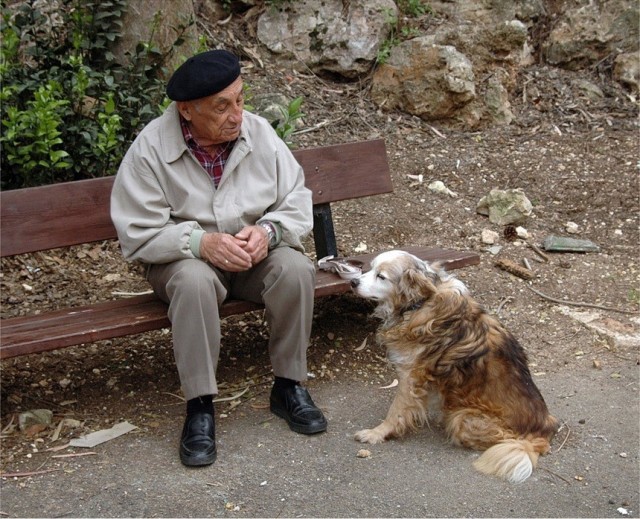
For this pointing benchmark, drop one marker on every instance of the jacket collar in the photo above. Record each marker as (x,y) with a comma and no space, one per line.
(172,140)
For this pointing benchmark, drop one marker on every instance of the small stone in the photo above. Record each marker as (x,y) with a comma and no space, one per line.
(438,186)
(489,237)
(34,417)
(572,228)
(364,453)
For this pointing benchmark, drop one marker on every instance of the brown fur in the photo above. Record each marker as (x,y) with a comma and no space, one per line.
(443,343)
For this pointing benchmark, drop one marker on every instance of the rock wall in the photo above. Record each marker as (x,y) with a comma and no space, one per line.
(459,63)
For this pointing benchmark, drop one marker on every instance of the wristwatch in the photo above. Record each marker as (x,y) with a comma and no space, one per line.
(271,233)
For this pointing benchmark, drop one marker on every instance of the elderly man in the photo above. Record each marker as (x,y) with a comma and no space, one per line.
(213,201)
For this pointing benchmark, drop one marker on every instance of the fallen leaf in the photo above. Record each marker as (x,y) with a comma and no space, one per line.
(95,253)
(362,346)
(98,437)
(34,429)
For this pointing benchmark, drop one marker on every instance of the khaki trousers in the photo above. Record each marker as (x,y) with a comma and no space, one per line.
(194,289)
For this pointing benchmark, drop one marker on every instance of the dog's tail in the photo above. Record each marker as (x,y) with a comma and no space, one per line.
(513,460)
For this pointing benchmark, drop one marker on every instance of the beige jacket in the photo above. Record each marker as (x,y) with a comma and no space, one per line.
(162,196)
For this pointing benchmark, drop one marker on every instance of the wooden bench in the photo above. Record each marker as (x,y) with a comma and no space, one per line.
(72,213)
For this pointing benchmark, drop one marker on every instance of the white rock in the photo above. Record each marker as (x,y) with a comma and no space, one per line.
(437,186)
(489,237)
(572,228)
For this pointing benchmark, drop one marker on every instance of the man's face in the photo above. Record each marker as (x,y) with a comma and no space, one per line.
(216,119)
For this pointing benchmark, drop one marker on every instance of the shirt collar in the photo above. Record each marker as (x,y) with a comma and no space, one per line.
(173,140)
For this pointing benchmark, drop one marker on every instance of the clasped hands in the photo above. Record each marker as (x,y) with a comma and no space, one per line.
(235,253)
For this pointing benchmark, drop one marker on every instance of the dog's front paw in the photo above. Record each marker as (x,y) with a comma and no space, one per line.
(369,436)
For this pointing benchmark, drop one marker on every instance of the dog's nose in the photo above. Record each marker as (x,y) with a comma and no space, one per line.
(355,282)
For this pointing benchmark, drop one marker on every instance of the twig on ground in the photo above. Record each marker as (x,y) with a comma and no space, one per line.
(556,475)
(232,397)
(504,301)
(75,454)
(537,250)
(437,132)
(313,128)
(181,398)
(26,474)
(578,303)
(566,437)
(225,21)
(131,294)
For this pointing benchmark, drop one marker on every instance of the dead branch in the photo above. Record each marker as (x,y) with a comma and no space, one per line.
(577,303)
(26,474)
(514,268)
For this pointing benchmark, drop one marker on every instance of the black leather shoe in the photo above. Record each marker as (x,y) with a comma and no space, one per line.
(294,404)
(198,442)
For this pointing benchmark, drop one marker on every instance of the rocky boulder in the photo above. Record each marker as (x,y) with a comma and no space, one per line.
(588,32)
(626,70)
(430,81)
(328,35)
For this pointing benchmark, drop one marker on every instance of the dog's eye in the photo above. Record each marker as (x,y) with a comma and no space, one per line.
(382,277)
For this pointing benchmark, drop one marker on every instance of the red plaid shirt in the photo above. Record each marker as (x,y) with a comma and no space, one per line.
(214,163)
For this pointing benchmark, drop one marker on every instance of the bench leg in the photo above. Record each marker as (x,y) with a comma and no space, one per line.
(323,233)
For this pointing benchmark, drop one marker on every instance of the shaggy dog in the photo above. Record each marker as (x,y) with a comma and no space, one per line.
(444,345)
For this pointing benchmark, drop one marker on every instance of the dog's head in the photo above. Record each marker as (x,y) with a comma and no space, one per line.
(399,281)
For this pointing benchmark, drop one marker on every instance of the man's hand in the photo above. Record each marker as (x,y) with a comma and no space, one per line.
(235,253)
(256,242)
(225,251)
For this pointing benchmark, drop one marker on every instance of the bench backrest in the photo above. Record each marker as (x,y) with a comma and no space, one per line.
(70,213)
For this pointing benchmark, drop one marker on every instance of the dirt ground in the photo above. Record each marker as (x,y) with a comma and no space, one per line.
(575,156)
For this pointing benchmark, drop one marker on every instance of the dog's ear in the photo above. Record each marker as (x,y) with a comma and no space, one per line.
(417,284)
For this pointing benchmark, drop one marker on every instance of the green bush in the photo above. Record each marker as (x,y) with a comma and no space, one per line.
(69,109)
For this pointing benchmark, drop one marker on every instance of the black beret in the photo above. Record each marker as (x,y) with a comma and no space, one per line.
(203,75)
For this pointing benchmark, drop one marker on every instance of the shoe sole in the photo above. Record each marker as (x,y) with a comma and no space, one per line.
(301,429)
(199,461)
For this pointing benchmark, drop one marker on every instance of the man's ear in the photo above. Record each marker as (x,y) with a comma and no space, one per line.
(184,107)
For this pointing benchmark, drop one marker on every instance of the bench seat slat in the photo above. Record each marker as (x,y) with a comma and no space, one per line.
(72,326)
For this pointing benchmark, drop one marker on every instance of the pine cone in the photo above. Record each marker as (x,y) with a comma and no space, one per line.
(510,233)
